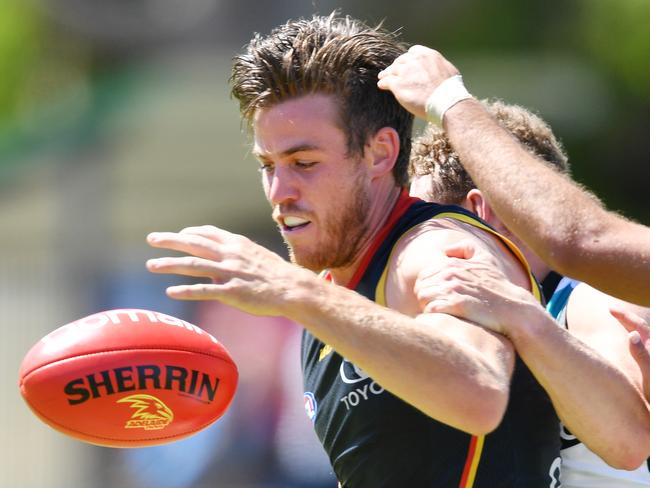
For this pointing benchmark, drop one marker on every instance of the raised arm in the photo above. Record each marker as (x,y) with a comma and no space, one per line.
(438,363)
(563,223)
(567,226)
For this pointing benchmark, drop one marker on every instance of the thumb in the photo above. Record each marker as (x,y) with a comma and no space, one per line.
(464,249)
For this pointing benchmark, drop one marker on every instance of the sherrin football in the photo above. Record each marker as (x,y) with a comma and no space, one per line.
(128,378)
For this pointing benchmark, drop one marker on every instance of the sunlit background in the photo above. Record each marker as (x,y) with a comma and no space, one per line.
(115,120)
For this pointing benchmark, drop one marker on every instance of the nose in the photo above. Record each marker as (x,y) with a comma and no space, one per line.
(280,186)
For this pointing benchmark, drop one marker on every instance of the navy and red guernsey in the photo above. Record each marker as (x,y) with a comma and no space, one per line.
(375,440)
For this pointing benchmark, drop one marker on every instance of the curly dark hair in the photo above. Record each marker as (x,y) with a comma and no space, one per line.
(334,55)
(433,155)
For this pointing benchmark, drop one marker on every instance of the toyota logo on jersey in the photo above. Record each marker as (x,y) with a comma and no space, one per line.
(351,373)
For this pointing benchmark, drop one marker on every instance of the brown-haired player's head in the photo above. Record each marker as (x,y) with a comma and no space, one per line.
(332,55)
(432,154)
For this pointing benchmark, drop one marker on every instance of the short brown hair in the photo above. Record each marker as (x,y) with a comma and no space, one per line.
(334,55)
(433,155)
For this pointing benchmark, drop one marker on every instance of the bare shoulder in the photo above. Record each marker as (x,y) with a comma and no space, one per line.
(423,247)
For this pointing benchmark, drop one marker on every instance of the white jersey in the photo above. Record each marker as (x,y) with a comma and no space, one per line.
(581,468)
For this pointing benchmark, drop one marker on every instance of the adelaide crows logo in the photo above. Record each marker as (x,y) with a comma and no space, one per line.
(150,413)
(311,406)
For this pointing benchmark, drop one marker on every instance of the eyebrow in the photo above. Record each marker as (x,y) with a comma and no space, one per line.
(289,151)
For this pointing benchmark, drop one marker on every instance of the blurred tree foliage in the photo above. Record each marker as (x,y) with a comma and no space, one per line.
(598,43)
(608,41)
(20,49)
(617,35)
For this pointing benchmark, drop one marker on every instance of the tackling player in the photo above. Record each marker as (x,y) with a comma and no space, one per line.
(438,175)
(564,224)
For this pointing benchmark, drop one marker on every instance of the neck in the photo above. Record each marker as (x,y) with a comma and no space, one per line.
(380,209)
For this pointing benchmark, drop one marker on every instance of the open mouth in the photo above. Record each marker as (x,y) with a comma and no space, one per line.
(291,224)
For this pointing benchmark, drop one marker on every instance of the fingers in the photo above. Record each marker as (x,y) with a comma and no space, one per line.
(197,291)
(639,352)
(393,68)
(639,332)
(399,72)
(385,83)
(209,232)
(450,303)
(464,249)
(205,241)
(202,245)
(186,266)
(443,290)
(188,243)
(631,321)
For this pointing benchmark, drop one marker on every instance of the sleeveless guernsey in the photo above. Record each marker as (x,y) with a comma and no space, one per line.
(375,440)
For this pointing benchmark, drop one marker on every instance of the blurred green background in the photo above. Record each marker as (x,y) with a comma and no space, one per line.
(115,120)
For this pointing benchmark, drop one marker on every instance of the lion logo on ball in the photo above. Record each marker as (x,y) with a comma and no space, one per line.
(150,413)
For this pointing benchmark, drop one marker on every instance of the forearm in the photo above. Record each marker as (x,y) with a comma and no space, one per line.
(563,223)
(413,360)
(595,400)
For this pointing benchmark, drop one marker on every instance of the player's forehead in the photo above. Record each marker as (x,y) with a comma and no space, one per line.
(310,122)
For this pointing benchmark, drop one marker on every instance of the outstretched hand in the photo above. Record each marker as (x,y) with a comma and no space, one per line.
(414,76)
(639,341)
(241,273)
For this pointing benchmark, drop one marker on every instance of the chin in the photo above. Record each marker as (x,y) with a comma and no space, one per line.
(308,261)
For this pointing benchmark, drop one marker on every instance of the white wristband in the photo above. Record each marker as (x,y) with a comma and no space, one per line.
(446,95)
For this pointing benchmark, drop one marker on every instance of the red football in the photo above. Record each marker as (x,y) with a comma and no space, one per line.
(128,378)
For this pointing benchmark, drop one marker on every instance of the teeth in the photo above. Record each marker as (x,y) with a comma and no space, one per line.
(294,221)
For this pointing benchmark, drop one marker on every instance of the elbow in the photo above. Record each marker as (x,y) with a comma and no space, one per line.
(633,453)
(630,453)
(490,402)
(628,461)
(632,463)
(478,416)
(487,412)
(489,421)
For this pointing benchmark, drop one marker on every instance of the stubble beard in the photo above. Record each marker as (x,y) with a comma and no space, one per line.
(345,228)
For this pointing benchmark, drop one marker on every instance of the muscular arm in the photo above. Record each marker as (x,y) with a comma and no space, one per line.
(589,386)
(421,360)
(564,224)
(438,363)
(589,319)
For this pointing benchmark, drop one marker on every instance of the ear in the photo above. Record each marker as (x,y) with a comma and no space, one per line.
(476,202)
(381,151)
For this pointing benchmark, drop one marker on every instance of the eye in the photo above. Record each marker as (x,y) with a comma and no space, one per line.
(305,164)
(266,167)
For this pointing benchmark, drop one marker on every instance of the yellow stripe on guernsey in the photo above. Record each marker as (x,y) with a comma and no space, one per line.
(476,445)
(325,350)
(473,457)
(380,292)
